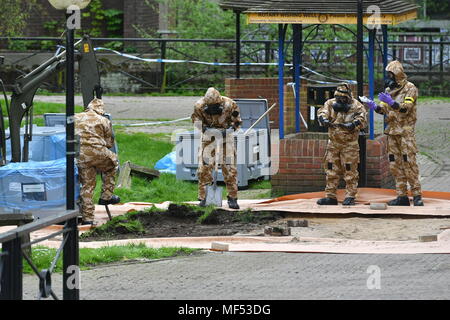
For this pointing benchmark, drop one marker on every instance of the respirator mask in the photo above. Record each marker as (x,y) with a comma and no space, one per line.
(342,104)
(214,109)
(390,81)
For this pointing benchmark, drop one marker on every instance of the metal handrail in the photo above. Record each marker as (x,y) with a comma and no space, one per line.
(36,225)
(11,265)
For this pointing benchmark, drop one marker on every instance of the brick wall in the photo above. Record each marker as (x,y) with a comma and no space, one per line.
(267,88)
(301,164)
(136,12)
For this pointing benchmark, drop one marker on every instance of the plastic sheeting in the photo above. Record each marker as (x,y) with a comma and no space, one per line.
(34,185)
(167,164)
(48,143)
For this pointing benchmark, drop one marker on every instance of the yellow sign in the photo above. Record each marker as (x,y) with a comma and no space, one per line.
(86,48)
(319,18)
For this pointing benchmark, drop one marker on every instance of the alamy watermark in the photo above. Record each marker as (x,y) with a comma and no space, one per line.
(73,282)
(373,21)
(374,279)
(73,17)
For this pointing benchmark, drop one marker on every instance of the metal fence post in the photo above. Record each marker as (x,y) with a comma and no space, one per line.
(71,259)
(163,67)
(11,283)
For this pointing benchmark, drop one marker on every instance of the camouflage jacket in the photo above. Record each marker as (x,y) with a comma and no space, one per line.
(339,135)
(94,129)
(400,121)
(230,117)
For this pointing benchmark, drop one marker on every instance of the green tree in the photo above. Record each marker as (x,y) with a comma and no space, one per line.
(14,15)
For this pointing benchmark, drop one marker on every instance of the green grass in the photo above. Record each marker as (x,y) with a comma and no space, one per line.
(43,256)
(145,150)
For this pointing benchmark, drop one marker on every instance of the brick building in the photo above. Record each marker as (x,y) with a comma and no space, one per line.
(136,13)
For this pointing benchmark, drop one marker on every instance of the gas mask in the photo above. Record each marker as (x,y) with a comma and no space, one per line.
(214,109)
(342,104)
(390,81)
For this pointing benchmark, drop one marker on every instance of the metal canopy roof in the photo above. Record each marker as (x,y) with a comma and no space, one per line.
(316,6)
(241,5)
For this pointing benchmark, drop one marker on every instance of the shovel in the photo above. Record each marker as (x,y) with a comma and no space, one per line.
(213,192)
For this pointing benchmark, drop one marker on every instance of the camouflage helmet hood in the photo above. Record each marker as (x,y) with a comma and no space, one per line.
(344,90)
(97,105)
(212,96)
(397,69)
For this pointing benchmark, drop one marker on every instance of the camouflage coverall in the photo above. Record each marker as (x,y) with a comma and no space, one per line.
(402,148)
(212,127)
(342,153)
(96,139)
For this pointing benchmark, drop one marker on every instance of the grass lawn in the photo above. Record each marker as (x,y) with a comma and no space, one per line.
(43,256)
(146,149)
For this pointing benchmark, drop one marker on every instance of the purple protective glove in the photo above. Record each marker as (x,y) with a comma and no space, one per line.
(386,98)
(371,104)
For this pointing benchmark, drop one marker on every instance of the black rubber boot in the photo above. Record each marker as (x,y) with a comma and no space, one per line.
(232,203)
(114,200)
(88,223)
(202,203)
(349,201)
(400,201)
(417,200)
(327,202)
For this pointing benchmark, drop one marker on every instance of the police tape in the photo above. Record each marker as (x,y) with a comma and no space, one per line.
(150,123)
(129,56)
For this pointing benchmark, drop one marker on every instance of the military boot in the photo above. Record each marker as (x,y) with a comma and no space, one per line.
(417,200)
(232,203)
(114,200)
(327,202)
(202,203)
(349,201)
(400,201)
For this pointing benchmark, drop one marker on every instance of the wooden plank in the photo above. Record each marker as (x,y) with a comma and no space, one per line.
(124,180)
(144,171)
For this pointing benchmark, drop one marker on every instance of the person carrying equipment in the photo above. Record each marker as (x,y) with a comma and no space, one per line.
(399,105)
(217,117)
(96,138)
(344,117)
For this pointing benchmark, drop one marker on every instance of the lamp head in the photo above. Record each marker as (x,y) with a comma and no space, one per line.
(64,4)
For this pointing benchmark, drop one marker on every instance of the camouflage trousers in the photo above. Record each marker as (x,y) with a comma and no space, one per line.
(402,152)
(226,157)
(90,162)
(341,160)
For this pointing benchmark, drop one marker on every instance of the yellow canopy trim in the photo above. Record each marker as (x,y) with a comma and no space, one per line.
(320,18)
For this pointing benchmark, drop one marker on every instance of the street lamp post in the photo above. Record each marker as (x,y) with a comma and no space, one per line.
(70,257)
(70,6)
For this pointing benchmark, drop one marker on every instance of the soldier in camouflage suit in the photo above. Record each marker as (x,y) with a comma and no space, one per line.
(96,138)
(344,117)
(217,117)
(398,104)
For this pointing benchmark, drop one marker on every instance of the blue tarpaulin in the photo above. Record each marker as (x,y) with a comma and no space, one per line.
(34,185)
(167,164)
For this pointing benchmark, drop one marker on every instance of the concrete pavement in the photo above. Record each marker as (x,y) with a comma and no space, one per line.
(272,276)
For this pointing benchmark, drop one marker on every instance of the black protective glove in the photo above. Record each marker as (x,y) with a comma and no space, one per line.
(348,125)
(324,122)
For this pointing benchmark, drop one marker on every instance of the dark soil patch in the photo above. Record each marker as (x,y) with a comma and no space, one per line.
(181,221)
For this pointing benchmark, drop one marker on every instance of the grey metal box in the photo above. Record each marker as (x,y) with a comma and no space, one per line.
(59,119)
(253,149)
